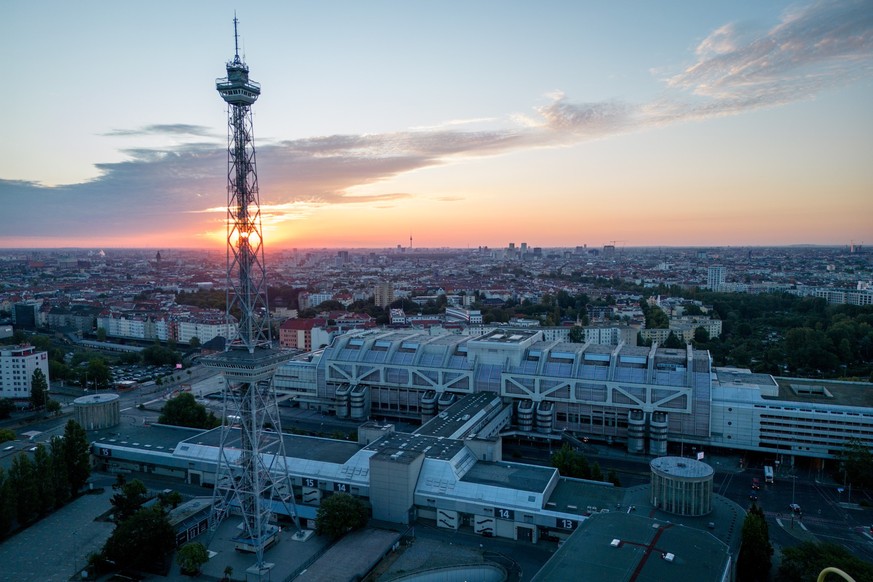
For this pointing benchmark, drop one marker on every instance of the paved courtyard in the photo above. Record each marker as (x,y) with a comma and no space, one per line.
(57,547)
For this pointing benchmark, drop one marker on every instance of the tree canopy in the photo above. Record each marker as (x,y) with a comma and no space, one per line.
(576,334)
(96,374)
(143,541)
(655,316)
(7,407)
(856,463)
(339,514)
(22,475)
(191,557)
(753,564)
(77,456)
(53,407)
(45,489)
(38,389)
(158,355)
(7,503)
(6,434)
(673,342)
(570,463)
(184,410)
(60,476)
(804,562)
(129,498)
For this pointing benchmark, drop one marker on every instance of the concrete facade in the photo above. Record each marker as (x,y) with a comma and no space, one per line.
(645,397)
(17,365)
(97,411)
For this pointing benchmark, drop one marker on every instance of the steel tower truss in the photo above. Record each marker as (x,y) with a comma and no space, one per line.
(251,476)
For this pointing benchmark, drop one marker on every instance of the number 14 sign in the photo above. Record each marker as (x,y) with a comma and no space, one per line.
(501,513)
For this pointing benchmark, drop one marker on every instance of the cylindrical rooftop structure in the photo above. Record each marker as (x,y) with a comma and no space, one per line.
(682,486)
(97,411)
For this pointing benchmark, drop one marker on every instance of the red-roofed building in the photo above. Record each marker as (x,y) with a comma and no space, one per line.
(298,333)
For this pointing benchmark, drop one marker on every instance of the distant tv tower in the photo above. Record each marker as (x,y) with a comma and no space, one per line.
(251,472)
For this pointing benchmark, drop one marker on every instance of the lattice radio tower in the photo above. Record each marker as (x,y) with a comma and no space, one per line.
(251,477)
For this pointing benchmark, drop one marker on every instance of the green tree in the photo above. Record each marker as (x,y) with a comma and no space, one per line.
(191,557)
(673,342)
(60,477)
(803,563)
(612,477)
(38,389)
(7,504)
(6,434)
(692,309)
(129,498)
(756,551)
(184,410)
(655,316)
(158,355)
(194,342)
(171,499)
(143,541)
(101,334)
(45,489)
(596,472)
(856,463)
(58,370)
(99,374)
(207,298)
(701,336)
(576,335)
(53,407)
(571,463)
(23,478)
(7,407)
(77,456)
(339,514)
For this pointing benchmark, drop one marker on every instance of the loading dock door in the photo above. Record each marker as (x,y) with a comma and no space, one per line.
(523,534)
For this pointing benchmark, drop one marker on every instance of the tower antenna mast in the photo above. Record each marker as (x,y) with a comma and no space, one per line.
(251,472)
(235,38)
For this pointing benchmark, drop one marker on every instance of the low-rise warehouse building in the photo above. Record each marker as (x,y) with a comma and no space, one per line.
(402,476)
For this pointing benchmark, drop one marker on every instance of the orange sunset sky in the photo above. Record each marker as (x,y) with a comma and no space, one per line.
(459,124)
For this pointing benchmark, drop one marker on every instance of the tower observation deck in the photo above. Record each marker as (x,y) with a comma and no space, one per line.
(252,479)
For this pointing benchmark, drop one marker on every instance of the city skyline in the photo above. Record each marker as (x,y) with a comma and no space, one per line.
(558,124)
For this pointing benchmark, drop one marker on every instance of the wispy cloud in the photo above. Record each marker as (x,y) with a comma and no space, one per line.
(454,123)
(736,68)
(174,129)
(811,49)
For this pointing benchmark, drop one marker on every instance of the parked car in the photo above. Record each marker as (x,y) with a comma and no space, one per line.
(756,483)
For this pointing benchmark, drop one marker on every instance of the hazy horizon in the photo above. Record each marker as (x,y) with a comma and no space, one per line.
(268,249)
